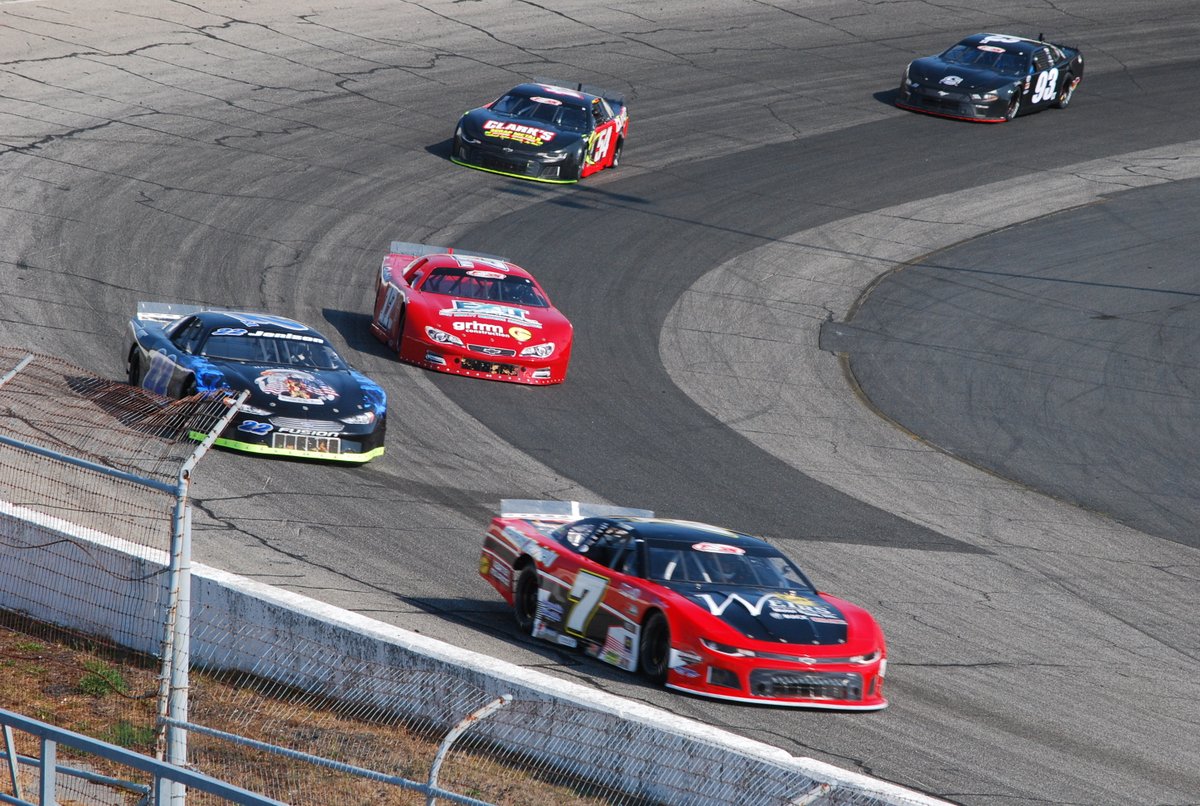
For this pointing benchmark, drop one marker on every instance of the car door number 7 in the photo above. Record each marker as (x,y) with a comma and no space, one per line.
(585,596)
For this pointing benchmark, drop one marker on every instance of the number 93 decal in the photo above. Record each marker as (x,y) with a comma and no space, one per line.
(1046,86)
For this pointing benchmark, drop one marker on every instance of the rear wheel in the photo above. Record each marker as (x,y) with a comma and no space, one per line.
(525,598)
(1068,89)
(654,653)
(1014,107)
(135,368)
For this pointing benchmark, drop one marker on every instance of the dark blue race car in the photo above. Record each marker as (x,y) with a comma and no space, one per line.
(992,78)
(305,400)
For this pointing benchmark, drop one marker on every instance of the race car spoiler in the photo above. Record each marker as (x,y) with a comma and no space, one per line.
(420,249)
(169,311)
(613,98)
(564,511)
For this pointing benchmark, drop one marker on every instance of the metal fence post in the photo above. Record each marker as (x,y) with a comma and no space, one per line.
(171,744)
(455,732)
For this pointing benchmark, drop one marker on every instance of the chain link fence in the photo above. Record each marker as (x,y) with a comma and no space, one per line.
(277,704)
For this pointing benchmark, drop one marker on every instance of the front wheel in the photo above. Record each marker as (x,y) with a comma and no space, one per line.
(135,368)
(1068,89)
(1014,107)
(525,598)
(654,654)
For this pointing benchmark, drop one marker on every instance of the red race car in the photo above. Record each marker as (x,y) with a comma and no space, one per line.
(700,608)
(469,314)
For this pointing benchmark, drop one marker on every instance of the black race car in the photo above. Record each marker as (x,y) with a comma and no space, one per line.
(305,400)
(992,78)
(544,132)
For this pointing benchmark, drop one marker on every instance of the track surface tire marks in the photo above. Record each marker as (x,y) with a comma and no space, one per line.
(160,151)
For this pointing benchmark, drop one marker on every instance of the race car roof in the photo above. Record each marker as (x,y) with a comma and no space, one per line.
(664,530)
(1014,44)
(257,321)
(569,96)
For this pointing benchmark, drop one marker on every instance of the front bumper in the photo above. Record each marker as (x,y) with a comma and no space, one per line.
(329,441)
(509,368)
(842,687)
(494,159)
(947,104)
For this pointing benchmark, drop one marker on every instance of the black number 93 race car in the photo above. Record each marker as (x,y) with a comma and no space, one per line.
(305,400)
(992,78)
(544,132)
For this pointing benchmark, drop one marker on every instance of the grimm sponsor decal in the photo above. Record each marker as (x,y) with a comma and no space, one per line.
(490,310)
(480,328)
(517,133)
(295,386)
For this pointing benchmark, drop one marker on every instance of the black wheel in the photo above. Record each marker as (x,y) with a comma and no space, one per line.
(617,154)
(1014,107)
(135,368)
(525,598)
(654,654)
(1064,95)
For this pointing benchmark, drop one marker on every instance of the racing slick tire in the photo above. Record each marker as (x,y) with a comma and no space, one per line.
(654,651)
(525,598)
(1013,108)
(135,368)
(1064,95)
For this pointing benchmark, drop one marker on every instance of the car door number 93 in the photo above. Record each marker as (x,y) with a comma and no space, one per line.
(1046,85)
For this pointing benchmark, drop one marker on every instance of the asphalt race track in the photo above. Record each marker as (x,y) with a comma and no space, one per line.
(950,367)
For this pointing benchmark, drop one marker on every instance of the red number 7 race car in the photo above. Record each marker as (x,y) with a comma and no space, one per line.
(700,608)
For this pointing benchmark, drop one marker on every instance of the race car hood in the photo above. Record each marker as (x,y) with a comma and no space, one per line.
(497,325)
(297,391)
(933,72)
(778,616)
(519,134)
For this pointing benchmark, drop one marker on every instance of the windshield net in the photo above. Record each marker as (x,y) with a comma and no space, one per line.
(492,286)
(543,110)
(289,352)
(1006,64)
(678,563)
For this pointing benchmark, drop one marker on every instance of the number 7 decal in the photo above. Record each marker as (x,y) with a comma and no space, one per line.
(586,594)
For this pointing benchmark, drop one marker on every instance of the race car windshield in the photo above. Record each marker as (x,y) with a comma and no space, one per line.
(1013,65)
(486,285)
(560,116)
(266,350)
(757,569)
